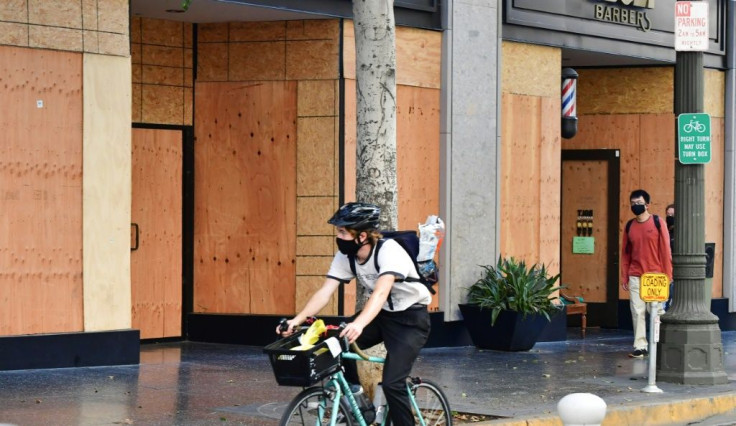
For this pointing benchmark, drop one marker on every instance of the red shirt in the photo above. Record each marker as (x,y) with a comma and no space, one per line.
(646,249)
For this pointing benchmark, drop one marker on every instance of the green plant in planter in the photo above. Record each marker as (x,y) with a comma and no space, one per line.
(512,286)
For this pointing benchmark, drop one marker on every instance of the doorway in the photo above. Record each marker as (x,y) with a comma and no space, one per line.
(589,231)
(156,232)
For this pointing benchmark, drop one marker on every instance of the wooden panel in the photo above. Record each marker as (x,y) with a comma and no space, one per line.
(315,156)
(350,140)
(13,34)
(418,56)
(657,165)
(715,86)
(317,98)
(14,10)
(625,90)
(64,13)
(418,158)
(107,190)
(257,31)
(162,104)
(531,70)
(312,59)
(311,29)
(520,157)
(40,192)
(417,151)
(585,188)
(54,38)
(714,172)
(257,61)
(156,266)
(549,185)
(212,62)
(245,192)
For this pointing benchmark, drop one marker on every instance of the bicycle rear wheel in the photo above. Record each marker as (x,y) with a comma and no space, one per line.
(314,406)
(432,402)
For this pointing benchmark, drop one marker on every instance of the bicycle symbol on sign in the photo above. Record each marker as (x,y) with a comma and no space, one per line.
(694,125)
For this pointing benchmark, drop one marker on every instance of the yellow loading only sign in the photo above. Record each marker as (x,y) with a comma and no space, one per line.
(654,287)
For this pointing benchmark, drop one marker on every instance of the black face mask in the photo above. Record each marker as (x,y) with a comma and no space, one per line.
(638,209)
(348,247)
(670,221)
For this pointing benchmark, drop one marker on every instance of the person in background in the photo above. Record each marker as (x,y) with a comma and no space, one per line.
(645,248)
(670,212)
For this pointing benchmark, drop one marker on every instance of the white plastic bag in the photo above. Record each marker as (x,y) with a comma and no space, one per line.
(431,234)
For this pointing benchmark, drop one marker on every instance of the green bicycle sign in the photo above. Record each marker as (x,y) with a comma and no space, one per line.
(693,135)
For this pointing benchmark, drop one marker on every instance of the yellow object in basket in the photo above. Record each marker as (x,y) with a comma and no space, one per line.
(311,336)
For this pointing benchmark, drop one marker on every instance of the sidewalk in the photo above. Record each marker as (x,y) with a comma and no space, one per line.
(209,384)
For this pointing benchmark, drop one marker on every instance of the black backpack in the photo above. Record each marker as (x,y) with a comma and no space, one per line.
(409,241)
(628,226)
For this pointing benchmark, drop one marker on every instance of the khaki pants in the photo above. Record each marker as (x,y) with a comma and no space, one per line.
(639,308)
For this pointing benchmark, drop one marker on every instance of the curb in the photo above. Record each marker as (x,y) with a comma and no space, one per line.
(664,413)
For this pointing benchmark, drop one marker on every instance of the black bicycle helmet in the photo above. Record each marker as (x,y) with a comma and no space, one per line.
(358,216)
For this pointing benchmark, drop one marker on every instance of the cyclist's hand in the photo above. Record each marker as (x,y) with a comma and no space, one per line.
(286,327)
(625,285)
(352,331)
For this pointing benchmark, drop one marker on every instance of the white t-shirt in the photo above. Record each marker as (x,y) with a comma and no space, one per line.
(392,259)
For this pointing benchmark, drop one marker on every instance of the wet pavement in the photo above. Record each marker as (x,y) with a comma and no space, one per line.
(188,383)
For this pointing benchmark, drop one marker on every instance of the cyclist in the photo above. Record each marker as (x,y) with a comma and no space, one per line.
(396,311)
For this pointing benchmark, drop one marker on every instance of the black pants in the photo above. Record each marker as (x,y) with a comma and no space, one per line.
(404,334)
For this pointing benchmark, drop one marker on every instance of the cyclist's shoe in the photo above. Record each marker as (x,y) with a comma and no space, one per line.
(639,353)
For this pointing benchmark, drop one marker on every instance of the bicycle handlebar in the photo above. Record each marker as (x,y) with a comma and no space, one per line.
(347,346)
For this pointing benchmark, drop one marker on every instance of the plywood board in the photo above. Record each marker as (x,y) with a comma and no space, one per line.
(520,177)
(657,161)
(549,185)
(107,189)
(418,158)
(245,198)
(156,264)
(625,90)
(418,56)
(531,69)
(40,192)
(714,185)
(585,188)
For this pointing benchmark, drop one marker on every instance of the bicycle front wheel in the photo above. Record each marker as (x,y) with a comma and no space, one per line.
(432,402)
(314,406)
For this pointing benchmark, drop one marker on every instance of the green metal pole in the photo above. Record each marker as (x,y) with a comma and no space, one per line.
(690,347)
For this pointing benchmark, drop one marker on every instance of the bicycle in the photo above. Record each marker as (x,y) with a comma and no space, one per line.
(327,398)
(694,125)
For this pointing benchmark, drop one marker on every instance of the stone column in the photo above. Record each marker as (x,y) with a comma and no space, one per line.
(690,345)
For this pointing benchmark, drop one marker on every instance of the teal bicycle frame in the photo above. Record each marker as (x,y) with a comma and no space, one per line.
(338,382)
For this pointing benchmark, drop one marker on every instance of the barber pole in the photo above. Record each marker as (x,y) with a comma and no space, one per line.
(569,103)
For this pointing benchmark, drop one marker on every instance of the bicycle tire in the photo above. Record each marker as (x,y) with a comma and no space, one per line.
(432,402)
(305,410)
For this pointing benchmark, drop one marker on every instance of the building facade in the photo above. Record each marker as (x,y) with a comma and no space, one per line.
(192,158)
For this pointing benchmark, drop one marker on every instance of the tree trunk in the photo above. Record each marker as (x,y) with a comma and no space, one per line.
(375,47)
(375,54)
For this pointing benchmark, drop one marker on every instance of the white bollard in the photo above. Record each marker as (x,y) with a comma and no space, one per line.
(581,409)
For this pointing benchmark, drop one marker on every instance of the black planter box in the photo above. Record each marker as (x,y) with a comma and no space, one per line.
(512,331)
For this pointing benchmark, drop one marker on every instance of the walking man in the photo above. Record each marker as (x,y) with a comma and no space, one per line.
(645,248)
